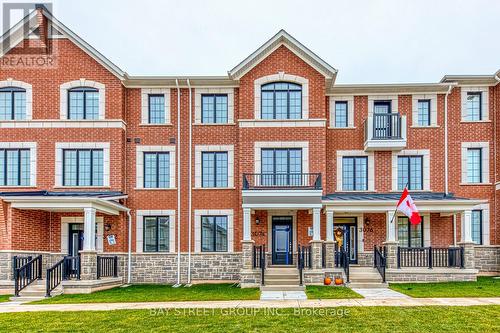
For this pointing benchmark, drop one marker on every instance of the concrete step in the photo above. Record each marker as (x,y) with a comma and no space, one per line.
(273,276)
(26,298)
(283,288)
(366,285)
(282,282)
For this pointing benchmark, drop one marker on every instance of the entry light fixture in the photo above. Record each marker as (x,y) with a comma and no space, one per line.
(257,221)
(107,226)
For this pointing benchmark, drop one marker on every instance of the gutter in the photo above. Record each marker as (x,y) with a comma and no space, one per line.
(178,184)
(189,183)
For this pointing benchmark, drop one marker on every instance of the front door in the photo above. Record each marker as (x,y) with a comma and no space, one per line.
(382,119)
(75,244)
(282,240)
(346,235)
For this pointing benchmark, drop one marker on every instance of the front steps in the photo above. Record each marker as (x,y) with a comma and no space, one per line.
(35,291)
(363,277)
(279,278)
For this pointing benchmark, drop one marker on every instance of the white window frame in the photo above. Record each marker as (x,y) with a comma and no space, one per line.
(29,95)
(32,146)
(60,146)
(374,98)
(485,102)
(145,92)
(259,145)
(198,92)
(67,220)
(354,153)
(139,229)
(426,231)
(433,111)
(485,161)
(198,213)
(198,150)
(426,167)
(350,110)
(139,165)
(63,97)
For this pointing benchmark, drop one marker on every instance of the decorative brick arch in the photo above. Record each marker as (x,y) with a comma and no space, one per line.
(63,97)
(29,94)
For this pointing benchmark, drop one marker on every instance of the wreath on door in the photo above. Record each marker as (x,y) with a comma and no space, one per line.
(339,236)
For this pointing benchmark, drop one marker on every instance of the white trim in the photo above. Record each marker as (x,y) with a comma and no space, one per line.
(197,103)
(63,123)
(426,167)
(304,145)
(433,110)
(350,110)
(139,164)
(485,102)
(66,220)
(29,95)
(63,96)
(485,162)
(253,123)
(32,146)
(139,228)
(354,153)
(105,146)
(198,213)
(485,208)
(199,149)
(145,92)
(281,77)
(278,212)
(373,98)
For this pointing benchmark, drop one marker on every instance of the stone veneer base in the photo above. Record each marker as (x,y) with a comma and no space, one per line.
(90,286)
(430,275)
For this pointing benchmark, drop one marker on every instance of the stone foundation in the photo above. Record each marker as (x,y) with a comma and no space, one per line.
(6,262)
(430,275)
(487,259)
(317,276)
(365,259)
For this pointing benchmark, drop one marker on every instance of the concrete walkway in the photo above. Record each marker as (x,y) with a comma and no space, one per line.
(379,293)
(9,307)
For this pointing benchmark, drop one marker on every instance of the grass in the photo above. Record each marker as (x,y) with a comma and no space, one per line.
(355,319)
(330,292)
(484,287)
(159,293)
(4,298)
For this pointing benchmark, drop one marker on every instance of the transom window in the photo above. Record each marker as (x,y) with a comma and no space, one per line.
(410,171)
(355,173)
(410,235)
(83,103)
(474,165)
(156,233)
(12,103)
(281,166)
(214,233)
(477,226)
(156,170)
(214,109)
(156,108)
(83,167)
(474,107)
(214,169)
(281,100)
(424,112)
(14,167)
(382,107)
(341,114)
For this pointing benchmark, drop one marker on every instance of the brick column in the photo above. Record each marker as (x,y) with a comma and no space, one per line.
(316,253)
(392,254)
(330,254)
(469,254)
(88,265)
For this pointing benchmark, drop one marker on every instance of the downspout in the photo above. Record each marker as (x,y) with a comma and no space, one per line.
(446,190)
(495,143)
(129,254)
(178,183)
(189,184)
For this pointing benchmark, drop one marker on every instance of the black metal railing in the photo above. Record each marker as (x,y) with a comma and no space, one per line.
(65,269)
(304,260)
(72,266)
(385,126)
(430,257)
(265,181)
(18,261)
(379,260)
(323,255)
(342,260)
(27,273)
(259,260)
(107,266)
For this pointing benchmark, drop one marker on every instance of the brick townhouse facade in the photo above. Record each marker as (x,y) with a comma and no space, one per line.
(184,178)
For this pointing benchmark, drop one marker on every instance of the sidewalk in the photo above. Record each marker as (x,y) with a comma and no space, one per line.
(10,307)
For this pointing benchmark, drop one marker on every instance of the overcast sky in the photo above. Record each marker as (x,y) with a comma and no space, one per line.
(367,41)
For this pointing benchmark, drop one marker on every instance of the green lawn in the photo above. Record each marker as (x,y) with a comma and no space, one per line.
(160,293)
(329,292)
(355,319)
(484,287)
(4,298)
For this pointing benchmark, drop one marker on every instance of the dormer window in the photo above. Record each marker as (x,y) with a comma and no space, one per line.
(83,103)
(12,103)
(281,100)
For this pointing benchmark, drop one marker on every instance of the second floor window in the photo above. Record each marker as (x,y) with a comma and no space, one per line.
(214,233)
(281,167)
(14,167)
(156,234)
(156,109)
(83,103)
(12,103)
(214,109)
(474,165)
(281,100)
(355,173)
(477,226)
(156,170)
(410,172)
(424,112)
(214,169)
(410,235)
(83,167)
(341,114)
(474,106)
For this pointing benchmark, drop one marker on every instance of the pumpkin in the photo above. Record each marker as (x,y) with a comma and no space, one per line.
(338,281)
(328,281)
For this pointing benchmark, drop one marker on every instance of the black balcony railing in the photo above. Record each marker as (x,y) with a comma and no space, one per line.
(265,181)
(385,126)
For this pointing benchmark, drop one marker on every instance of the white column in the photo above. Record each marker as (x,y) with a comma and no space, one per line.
(467,227)
(246,224)
(89,232)
(391,227)
(329,225)
(316,224)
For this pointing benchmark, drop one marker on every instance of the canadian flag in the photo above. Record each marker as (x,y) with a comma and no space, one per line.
(407,207)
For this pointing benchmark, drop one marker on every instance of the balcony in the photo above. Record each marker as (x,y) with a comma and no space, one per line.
(284,181)
(385,131)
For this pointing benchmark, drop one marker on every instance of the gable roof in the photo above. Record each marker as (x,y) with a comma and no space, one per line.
(283,38)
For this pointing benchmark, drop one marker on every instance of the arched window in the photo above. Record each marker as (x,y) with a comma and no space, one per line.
(83,103)
(12,103)
(281,100)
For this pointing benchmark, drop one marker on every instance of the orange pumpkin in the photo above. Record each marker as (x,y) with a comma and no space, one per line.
(328,281)
(338,281)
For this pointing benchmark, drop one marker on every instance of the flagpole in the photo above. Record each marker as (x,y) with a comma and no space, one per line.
(396,210)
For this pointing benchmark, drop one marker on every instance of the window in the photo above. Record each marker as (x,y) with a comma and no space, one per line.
(83,167)
(156,170)
(214,233)
(214,169)
(156,109)
(424,112)
(12,103)
(355,173)
(410,171)
(281,100)
(382,107)
(474,165)
(477,226)
(281,167)
(341,114)
(14,167)
(214,109)
(474,109)
(156,233)
(410,235)
(83,103)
